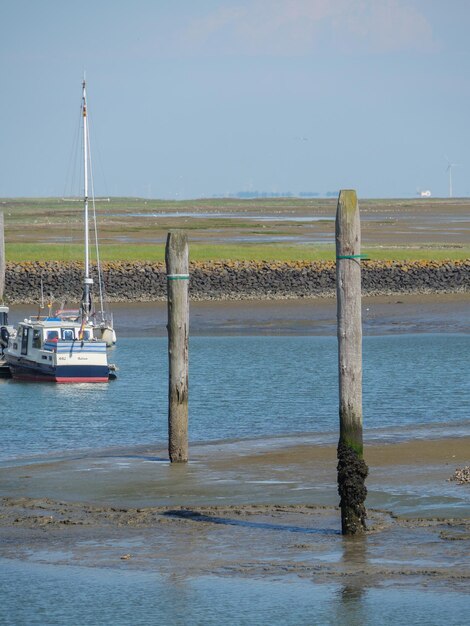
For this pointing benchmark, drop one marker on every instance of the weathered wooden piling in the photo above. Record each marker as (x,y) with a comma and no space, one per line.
(2,256)
(177,268)
(352,470)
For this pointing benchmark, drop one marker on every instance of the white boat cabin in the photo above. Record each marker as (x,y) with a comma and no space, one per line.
(57,349)
(43,334)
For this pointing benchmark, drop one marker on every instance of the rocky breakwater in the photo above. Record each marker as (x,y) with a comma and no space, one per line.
(140,281)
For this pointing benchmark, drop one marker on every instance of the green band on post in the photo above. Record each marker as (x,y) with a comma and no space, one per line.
(353,256)
(177,277)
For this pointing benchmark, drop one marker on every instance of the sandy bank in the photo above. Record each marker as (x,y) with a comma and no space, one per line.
(311,316)
(406,477)
(443,313)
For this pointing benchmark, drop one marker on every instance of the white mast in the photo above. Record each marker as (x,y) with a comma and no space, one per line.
(88,281)
(105,325)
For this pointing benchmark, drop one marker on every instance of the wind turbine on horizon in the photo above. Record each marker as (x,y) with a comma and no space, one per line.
(449,169)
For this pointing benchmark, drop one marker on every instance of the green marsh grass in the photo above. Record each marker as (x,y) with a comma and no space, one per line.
(18,252)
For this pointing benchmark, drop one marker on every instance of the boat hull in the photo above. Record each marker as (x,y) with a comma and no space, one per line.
(57,350)
(31,371)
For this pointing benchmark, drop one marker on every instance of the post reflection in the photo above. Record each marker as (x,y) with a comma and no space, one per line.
(352,592)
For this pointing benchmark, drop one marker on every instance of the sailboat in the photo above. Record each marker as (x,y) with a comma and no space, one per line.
(67,346)
(102,319)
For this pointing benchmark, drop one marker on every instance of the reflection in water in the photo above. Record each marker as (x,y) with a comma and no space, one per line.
(352,593)
(37,594)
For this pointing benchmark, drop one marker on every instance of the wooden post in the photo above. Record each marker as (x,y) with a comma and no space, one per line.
(177,269)
(352,470)
(2,256)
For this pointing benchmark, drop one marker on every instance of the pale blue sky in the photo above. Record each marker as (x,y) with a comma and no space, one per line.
(191,98)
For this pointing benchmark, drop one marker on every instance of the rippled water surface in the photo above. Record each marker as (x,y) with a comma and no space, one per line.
(241,387)
(73,595)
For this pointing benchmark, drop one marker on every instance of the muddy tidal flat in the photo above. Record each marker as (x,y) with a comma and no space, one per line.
(306,316)
(413,222)
(259,509)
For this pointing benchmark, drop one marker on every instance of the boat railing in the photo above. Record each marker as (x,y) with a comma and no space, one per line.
(73,344)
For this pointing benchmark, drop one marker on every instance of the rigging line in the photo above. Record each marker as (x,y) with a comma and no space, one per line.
(101,170)
(73,158)
(95,225)
(71,187)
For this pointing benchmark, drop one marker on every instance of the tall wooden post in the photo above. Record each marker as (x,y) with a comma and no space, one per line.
(352,470)
(177,268)
(2,256)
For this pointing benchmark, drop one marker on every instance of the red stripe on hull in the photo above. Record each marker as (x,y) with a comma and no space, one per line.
(82,380)
(52,379)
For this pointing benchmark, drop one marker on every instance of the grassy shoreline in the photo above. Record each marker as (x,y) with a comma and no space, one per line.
(19,252)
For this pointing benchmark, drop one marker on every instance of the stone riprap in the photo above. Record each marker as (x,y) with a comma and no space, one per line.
(140,281)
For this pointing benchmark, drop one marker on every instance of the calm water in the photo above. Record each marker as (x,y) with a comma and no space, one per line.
(73,595)
(243,387)
(240,387)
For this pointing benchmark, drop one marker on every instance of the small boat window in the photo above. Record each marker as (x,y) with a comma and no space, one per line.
(24,340)
(68,334)
(36,338)
(52,335)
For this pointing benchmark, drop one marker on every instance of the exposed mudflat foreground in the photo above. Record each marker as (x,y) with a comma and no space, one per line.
(251,509)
